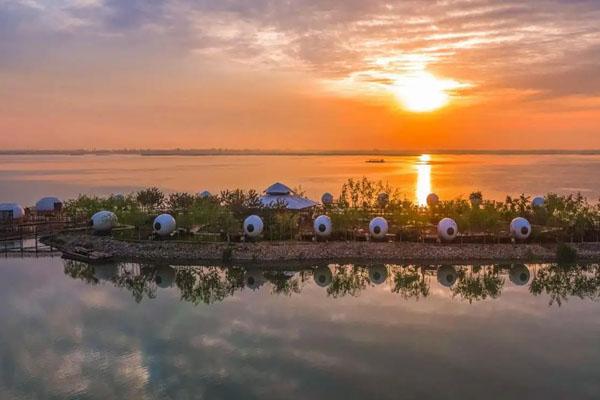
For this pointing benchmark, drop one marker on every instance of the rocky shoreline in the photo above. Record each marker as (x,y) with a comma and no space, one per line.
(187,252)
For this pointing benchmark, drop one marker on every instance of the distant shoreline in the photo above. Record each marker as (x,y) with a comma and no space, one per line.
(255,152)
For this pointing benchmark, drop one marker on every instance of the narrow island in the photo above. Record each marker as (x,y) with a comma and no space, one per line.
(367,222)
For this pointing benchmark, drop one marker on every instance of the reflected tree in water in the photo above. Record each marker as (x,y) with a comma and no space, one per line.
(561,282)
(141,283)
(475,286)
(286,282)
(348,280)
(208,284)
(80,270)
(410,282)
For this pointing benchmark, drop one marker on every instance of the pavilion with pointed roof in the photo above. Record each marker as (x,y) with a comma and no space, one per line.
(278,193)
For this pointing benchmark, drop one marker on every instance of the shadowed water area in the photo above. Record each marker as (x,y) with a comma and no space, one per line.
(73,330)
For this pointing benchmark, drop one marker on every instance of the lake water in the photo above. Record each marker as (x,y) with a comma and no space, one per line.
(25,179)
(70,330)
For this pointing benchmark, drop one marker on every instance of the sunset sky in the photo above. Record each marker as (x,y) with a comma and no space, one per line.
(302,74)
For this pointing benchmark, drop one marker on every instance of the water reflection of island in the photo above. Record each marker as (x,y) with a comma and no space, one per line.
(210,284)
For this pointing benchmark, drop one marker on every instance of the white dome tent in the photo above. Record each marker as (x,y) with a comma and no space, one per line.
(383,199)
(378,228)
(322,226)
(520,228)
(11,211)
(48,204)
(447,229)
(253,226)
(537,202)
(278,193)
(327,199)
(164,225)
(432,199)
(103,221)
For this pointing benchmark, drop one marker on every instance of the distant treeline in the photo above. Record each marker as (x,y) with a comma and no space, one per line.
(257,152)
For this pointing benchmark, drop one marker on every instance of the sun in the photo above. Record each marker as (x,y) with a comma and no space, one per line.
(423,92)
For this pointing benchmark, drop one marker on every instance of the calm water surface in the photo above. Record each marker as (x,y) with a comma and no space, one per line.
(27,178)
(70,330)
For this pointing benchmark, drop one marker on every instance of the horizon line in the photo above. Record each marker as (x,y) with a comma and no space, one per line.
(287,152)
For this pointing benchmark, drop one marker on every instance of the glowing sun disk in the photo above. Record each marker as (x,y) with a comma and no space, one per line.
(422,92)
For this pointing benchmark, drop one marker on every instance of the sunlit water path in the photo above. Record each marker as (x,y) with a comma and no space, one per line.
(27,178)
(70,330)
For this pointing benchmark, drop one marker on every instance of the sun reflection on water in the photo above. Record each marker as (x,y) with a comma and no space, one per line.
(423,179)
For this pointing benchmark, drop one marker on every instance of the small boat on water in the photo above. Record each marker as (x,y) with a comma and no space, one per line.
(86,255)
(375,161)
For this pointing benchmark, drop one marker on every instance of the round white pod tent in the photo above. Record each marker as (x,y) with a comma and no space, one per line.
(164,225)
(432,199)
(48,204)
(383,199)
(204,194)
(378,274)
(323,226)
(323,276)
(254,279)
(537,202)
(103,221)
(447,275)
(447,229)
(378,228)
(327,199)
(253,226)
(14,209)
(519,274)
(520,228)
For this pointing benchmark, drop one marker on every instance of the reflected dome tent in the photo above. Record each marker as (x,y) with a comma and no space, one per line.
(11,211)
(48,204)
(254,279)
(378,274)
(278,193)
(164,277)
(322,226)
(519,274)
(447,275)
(323,276)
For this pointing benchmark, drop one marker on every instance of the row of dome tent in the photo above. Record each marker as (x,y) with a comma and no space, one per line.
(279,194)
(165,225)
(45,205)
